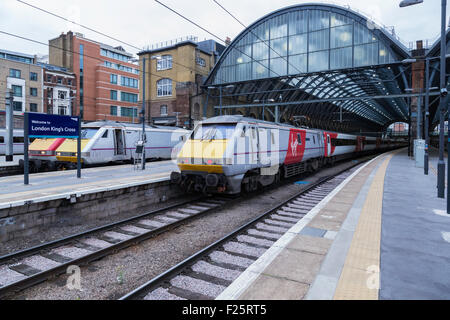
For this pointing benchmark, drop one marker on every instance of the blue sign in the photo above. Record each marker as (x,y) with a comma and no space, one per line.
(41,125)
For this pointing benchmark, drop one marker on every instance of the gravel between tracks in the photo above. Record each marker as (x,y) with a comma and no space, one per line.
(118,274)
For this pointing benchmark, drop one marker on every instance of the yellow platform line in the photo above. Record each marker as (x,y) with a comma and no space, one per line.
(360,277)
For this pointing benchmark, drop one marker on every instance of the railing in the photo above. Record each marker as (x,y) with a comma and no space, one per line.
(165,44)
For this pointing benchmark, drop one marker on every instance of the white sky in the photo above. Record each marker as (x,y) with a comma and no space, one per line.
(143,22)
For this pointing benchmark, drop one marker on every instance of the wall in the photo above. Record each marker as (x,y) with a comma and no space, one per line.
(27,220)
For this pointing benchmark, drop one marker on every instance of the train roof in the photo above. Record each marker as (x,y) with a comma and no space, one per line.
(127,125)
(237,118)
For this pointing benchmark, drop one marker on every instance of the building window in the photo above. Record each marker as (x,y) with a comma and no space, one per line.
(164,63)
(69,82)
(14,73)
(17,91)
(33,107)
(128,82)
(113,78)
(33,92)
(17,106)
(163,110)
(164,87)
(113,110)
(129,97)
(62,110)
(62,95)
(33,76)
(200,61)
(113,95)
(59,80)
(128,112)
(49,78)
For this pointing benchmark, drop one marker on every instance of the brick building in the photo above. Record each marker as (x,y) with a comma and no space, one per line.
(175,70)
(107,79)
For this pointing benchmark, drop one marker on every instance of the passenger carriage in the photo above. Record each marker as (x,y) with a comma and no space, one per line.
(226,154)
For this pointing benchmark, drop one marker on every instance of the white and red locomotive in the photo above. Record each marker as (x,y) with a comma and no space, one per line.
(226,154)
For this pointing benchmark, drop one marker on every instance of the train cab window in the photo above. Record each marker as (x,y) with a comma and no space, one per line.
(105,134)
(214,132)
(2,140)
(88,133)
(299,139)
(314,139)
(328,139)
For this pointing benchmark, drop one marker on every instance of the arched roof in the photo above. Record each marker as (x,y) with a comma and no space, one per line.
(317,51)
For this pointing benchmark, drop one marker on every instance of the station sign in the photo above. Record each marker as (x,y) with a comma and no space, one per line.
(42,125)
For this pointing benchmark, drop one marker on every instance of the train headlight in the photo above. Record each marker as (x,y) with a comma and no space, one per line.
(59,154)
(43,152)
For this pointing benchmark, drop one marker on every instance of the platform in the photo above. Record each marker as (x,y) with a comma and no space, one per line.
(382,234)
(59,184)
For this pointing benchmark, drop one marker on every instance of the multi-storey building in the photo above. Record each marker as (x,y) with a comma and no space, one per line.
(107,79)
(59,90)
(23,78)
(174,72)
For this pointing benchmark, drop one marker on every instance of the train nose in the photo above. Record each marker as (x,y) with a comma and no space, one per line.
(212,180)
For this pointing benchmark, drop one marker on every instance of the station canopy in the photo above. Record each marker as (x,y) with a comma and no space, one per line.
(322,66)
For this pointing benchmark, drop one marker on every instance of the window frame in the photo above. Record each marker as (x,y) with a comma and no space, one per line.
(164,88)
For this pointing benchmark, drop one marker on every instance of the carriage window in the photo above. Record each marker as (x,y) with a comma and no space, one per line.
(314,139)
(18,140)
(299,139)
(273,137)
(2,140)
(328,139)
(105,135)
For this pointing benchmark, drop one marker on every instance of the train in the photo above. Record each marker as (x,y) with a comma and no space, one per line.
(103,143)
(17,141)
(234,154)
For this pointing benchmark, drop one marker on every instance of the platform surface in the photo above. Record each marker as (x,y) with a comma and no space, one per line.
(52,185)
(382,234)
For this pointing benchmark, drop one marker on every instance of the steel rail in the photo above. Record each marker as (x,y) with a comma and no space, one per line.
(156,281)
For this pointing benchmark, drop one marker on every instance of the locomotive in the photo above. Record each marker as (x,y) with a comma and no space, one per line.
(230,154)
(106,142)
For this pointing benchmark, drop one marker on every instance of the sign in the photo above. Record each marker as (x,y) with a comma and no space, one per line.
(42,125)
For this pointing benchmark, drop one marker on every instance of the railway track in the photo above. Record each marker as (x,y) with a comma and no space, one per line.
(208,272)
(23,269)
(29,267)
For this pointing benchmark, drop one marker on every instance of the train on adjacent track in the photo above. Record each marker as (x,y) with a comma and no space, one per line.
(104,143)
(17,141)
(230,154)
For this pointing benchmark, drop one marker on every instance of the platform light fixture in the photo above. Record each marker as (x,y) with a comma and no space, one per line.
(407,3)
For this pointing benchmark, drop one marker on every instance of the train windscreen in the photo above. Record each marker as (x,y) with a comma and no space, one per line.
(88,133)
(213,132)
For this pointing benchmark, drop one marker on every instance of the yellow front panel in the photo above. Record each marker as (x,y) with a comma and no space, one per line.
(68,159)
(205,149)
(202,168)
(70,145)
(41,144)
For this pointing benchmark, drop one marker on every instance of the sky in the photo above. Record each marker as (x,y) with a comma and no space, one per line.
(145,22)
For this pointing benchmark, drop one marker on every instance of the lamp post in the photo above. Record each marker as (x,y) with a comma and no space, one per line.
(443,87)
